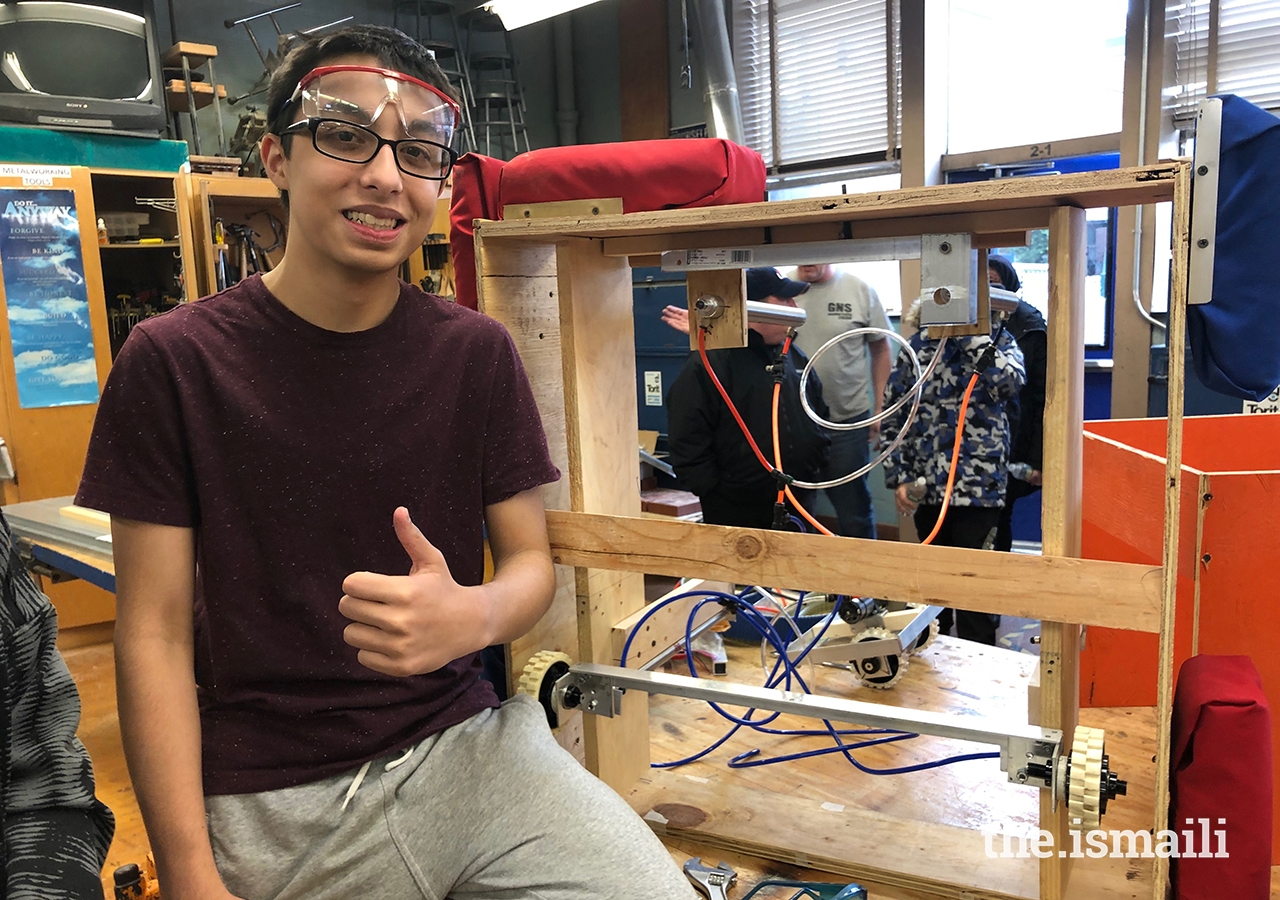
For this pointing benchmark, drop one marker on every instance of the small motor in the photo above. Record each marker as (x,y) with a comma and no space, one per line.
(856,609)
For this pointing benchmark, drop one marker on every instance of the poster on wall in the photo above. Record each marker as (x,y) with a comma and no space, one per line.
(47,299)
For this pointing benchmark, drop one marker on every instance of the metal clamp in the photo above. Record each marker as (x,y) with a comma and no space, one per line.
(590,692)
(948,280)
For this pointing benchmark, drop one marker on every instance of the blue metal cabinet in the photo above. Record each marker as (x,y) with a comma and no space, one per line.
(660,350)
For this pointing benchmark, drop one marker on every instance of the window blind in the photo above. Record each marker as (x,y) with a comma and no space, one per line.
(1249,51)
(1187,24)
(832,96)
(1245,60)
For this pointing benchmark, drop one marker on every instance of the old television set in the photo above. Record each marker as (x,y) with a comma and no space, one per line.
(81,66)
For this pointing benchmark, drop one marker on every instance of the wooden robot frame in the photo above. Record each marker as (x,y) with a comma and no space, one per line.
(562,286)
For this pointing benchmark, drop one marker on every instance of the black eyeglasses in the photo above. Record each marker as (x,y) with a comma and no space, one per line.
(354,143)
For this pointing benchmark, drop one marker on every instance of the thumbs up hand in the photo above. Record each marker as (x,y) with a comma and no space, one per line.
(416,623)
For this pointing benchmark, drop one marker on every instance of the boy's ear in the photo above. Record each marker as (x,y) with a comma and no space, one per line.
(274,160)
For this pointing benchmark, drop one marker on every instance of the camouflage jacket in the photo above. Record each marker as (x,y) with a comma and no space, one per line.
(981,473)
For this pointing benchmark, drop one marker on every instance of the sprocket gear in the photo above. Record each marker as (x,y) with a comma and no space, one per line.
(926,639)
(1084,779)
(540,675)
(880,672)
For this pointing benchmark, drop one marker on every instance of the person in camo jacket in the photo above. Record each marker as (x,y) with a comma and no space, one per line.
(982,469)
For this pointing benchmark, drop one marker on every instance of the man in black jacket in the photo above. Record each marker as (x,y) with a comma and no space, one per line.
(1026,413)
(707,449)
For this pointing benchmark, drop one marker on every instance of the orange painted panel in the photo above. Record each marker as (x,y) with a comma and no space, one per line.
(1124,521)
(1209,443)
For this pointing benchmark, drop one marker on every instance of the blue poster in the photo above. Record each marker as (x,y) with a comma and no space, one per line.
(48,304)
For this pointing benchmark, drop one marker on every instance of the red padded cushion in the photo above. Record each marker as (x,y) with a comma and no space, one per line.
(475,196)
(647,175)
(1221,769)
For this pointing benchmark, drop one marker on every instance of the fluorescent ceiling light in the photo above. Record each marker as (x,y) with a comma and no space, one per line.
(517,13)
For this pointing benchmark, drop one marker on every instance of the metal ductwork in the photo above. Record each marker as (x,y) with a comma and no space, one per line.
(711,37)
(566,104)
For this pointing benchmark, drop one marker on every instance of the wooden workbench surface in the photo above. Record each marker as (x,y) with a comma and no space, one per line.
(923,825)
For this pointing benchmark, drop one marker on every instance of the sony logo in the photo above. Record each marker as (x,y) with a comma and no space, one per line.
(72,105)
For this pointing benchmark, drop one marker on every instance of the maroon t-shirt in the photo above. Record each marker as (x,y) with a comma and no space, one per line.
(287,447)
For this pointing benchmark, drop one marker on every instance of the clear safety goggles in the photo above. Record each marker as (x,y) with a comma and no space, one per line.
(361,94)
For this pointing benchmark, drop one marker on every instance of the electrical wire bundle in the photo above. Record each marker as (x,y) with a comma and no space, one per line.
(784,674)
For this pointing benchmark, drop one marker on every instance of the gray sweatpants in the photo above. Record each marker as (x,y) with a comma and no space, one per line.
(491,808)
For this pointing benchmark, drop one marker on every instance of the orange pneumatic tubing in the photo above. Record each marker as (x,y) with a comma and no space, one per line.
(777,443)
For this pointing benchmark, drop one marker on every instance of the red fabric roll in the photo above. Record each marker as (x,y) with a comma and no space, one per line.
(1221,772)
(647,175)
(475,196)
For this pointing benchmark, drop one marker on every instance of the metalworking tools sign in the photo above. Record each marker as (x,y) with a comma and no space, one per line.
(46,297)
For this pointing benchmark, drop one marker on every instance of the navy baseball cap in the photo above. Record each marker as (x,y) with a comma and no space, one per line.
(765,282)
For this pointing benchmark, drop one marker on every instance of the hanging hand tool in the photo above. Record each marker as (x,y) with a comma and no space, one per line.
(220,251)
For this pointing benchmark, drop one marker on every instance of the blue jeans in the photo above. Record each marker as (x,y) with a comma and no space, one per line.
(854,515)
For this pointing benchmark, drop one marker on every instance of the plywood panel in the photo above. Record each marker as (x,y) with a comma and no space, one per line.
(1237,443)
(913,835)
(1124,520)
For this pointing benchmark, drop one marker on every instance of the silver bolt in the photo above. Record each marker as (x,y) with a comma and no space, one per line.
(1202,243)
(944,247)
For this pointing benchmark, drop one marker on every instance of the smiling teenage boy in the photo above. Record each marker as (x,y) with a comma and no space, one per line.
(299,471)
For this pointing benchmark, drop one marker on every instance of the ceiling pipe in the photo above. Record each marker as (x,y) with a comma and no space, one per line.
(711,38)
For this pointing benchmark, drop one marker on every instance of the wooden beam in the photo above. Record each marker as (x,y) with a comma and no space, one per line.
(667,623)
(1116,187)
(643,69)
(517,285)
(1172,510)
(991,229)
(1062,506)
(1117,595)
(598,341)
(558,209)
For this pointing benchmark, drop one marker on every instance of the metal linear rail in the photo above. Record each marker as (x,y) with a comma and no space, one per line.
(598,690)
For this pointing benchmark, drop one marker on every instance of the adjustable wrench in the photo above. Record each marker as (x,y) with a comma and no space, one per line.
(714,883)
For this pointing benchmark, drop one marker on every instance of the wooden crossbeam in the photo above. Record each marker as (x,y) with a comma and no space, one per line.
(1133,186)
(1004,228)
(1089,592)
